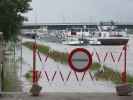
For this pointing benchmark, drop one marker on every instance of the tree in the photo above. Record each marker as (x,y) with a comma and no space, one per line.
(11,17)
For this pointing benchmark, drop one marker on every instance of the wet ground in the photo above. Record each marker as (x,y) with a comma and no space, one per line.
(68,96)
(57,85)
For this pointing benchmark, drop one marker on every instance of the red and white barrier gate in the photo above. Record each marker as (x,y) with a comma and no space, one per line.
(84,73)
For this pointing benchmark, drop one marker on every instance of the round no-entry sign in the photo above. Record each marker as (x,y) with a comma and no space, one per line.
(80,60)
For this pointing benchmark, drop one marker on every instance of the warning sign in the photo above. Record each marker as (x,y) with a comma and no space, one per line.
(80,60)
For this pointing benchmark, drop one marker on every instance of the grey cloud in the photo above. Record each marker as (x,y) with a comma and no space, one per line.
(81,10)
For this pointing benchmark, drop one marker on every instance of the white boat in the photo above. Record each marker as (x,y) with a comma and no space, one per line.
(94,41)
(72,41)
(75,36)
(111,35)
(104,35)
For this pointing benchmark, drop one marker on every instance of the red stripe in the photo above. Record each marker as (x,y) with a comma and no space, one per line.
(90,75)
(68,76)
(92,54)
(54,75)
(46,75)
(46,58)
(112,57)
(76,76)
(39,75)
(120,56)
(105,56)
(98,57)
(39,56)
(61,76)
(83,76)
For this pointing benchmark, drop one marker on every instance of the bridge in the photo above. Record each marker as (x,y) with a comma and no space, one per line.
(60,26)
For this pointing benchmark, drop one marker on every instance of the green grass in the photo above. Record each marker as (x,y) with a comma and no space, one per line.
(113,76)
(29,75)
(11,82)
(55,55)
(107,75)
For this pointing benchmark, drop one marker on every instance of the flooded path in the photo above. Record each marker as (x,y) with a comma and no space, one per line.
(87,85)
(57,85)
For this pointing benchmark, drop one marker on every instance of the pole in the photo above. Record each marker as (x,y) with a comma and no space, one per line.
(34,62)
(21,58)
(35,89)
(2,77)
(124,71)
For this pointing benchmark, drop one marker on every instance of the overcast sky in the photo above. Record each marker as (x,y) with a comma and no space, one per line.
(80,11)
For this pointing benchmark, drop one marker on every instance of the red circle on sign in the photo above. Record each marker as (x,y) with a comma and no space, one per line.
(88,65)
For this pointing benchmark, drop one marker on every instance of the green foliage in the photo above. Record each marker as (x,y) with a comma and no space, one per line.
(28,75)
(11,17)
